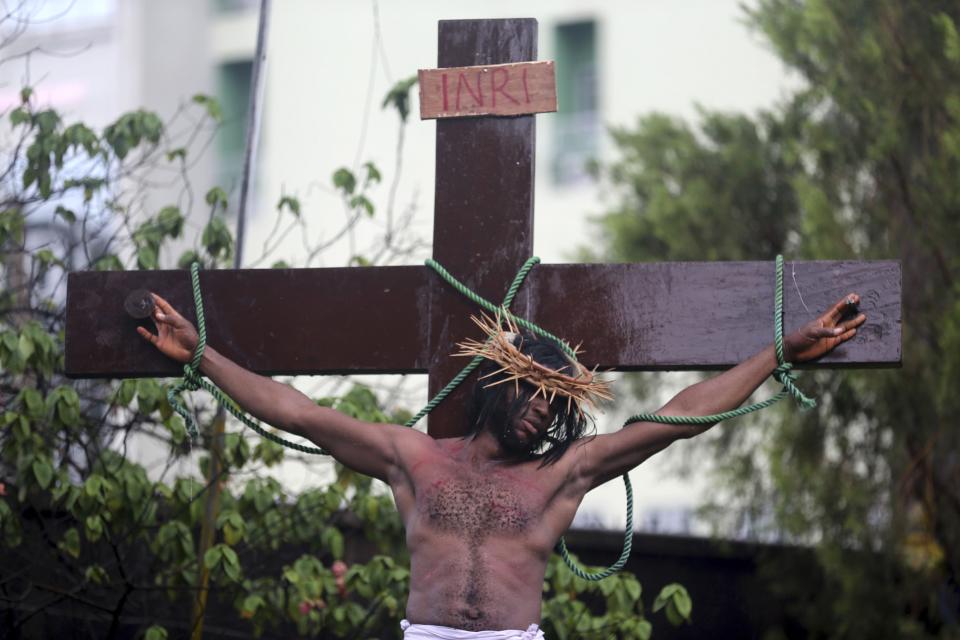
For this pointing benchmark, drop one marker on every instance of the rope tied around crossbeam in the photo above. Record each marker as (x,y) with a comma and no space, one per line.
(192,380)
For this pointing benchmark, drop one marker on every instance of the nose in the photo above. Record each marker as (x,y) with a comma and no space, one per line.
(540,407)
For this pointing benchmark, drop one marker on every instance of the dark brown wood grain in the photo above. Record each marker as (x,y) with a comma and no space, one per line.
(696,315)
(483,208)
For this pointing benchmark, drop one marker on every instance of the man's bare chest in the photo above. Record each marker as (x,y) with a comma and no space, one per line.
(476,506)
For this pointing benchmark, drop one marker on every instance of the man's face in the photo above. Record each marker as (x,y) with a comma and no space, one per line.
(526,431)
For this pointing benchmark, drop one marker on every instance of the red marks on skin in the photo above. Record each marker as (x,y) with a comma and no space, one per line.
(417,464)
(524,482)
(475,508)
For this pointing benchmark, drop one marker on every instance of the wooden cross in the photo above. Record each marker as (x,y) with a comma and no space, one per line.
(407,320)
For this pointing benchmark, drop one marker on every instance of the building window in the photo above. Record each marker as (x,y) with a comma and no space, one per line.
(577,124)
(228,6)
(233,92)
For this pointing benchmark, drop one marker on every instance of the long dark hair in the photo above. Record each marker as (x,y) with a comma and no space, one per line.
(499,404)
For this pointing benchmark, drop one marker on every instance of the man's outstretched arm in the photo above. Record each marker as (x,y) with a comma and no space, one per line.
(610,455)
(371,449)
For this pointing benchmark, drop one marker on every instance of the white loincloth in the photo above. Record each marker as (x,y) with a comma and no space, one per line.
(435,632)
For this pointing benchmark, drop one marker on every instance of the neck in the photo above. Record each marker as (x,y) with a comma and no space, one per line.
(485,447)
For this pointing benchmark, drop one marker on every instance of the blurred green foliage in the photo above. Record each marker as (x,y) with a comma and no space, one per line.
(85,522)
(862,161)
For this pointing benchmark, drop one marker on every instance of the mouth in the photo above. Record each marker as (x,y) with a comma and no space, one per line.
(529,428)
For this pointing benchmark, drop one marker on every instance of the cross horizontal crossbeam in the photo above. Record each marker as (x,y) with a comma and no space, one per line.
(691,315)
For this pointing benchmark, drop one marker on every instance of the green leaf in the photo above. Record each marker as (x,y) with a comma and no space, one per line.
(373,174)
(231,563)
(33,402)
(632,588)
(147,257)
(399,97)
(672,615)
(291,203)
(683,603)
(361,201)
(25,347)
(213,556)
(170,221)
(45,257)
(43,472)
(67,214)
(176,154)
(251,603)
(217,240)
(156,632)
(334,542)
(151,126)
(25,94)
(187,258)
(19,116)
(108,262)
(661,600)
(47,121)
(125,392)
(94,527)
(951,40)
(96,574)
(344,180)
(210,104)
(71,542)
(216,197)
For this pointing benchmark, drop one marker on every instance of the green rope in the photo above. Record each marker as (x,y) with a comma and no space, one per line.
(476,360)
(192,381)
(782,374)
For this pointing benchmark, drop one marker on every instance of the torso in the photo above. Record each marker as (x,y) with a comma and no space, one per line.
(479,535)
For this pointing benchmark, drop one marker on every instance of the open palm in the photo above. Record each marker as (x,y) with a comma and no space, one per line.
(176,336)
(822,335)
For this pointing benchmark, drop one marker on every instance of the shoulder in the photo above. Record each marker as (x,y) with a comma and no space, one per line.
(567,471)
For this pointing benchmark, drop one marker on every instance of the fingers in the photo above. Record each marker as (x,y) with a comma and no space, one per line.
(846,335)
(149,337)
(164,312)
(853,323)
(162,304)
(826,332)
(842,306)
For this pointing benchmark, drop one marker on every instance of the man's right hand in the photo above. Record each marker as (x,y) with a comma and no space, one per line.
(176,337)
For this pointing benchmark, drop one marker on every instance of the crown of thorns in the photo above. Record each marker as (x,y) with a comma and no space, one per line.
(581,389)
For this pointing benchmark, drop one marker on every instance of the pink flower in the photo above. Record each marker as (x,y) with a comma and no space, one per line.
(3,489)
(304,608)
(339,569)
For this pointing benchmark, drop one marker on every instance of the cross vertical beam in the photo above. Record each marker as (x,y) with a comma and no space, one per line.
(483,211)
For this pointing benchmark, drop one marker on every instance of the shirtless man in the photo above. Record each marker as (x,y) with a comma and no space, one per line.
(483,512)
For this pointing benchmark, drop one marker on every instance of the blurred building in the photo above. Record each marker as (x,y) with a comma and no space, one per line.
(330,64)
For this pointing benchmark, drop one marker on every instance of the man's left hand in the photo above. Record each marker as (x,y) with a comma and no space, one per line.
(822,335)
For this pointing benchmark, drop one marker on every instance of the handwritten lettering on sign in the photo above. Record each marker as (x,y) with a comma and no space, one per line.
(490,90)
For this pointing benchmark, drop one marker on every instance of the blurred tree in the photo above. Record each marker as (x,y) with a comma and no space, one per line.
(100,502)
(862,162)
